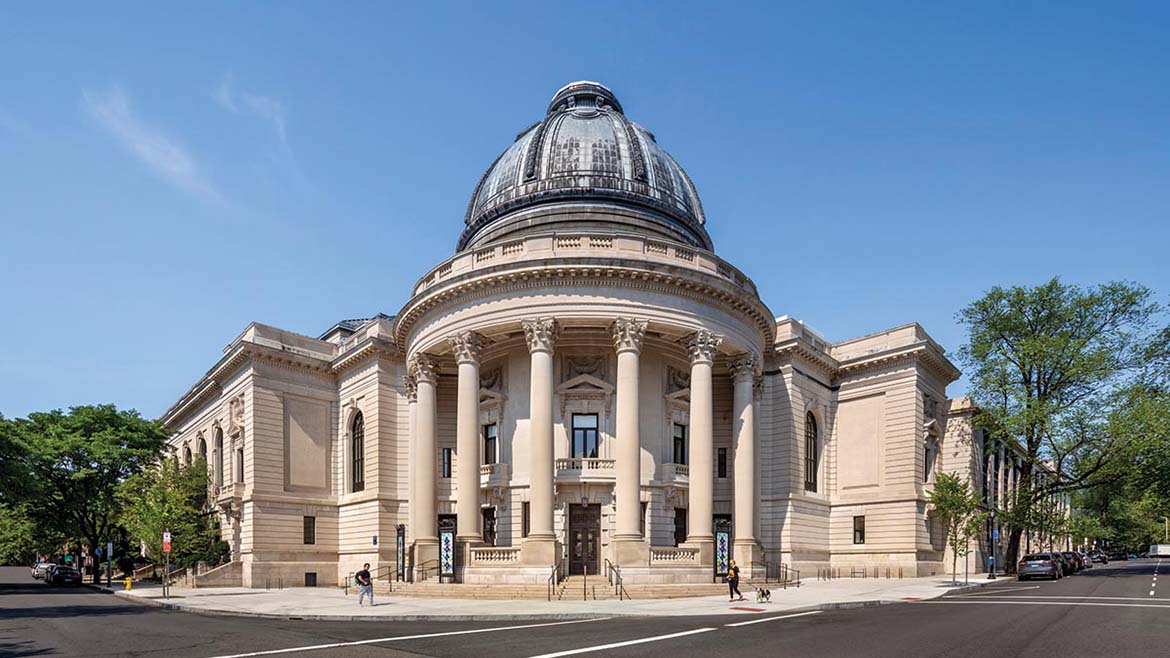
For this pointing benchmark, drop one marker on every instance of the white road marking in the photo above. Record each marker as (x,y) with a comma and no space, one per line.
(1076,598)
(994,592)
(399,638)
(1151,592)
(760,621)
(1073,603)
(615,645)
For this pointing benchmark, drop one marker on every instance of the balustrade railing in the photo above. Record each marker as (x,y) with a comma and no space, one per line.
(673,554)
(585,464)
(495,554)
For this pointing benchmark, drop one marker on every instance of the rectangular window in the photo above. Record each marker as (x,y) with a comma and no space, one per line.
(680,443)
(489,444)
(680,525)
(859,530)
(310,579)
(585,436)
(721,463)
(447,459)
(525,519)
(310,530)
(644,519)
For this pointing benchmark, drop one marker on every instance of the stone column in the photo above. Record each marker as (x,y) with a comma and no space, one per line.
(539,546)
(745,548)
(703,346)
(425,374)
(466,347)
(629,545)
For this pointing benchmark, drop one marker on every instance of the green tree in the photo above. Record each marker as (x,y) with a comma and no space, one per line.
(76,461)
(172,497)
(955,505)
(1047,364)
(24,535)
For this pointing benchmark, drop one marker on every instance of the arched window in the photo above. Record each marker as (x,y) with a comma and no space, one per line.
(186,455)
(811,456)
(203,449)
(217,458)
(357,453)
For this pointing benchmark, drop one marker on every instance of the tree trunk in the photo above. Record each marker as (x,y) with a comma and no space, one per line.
(1011,558)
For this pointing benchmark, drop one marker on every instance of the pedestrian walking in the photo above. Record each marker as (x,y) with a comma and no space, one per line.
(733,583)
(365,585)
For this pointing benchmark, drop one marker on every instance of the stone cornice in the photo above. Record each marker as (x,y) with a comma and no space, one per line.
(923,352)
(370,347)
(796,349)
(584,272)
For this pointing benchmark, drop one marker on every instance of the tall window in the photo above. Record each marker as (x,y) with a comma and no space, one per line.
(644,508)
(585,435)
(218,457)
(810,453)
(447,459)
(186,455)
(310,530)
(240,464)
(525,519)
(680,443)
(489,444)
(203,449)
(357,451)
(859,530)
(721,463)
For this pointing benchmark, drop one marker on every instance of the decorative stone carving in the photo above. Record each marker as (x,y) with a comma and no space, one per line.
(541,334)
(235,415)
(424,368)
(742,365)
(491,380)
(673,496)
(628,334)
(575,365)
(677,380)
(410,384)
(758,388)
(703,345)
(466,345)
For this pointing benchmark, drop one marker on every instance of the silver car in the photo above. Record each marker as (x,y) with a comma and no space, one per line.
(40,569)
(1039,564)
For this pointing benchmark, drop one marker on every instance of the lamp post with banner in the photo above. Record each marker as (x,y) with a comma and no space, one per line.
(167,568)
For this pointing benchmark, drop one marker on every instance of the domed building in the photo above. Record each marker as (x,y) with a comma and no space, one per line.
(583,385)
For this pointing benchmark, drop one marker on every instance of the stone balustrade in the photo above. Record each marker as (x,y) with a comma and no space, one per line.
(579,244)
(495,554)
(585,464)
(673,555)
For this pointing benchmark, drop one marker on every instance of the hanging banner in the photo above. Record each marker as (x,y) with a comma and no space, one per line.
(447,550)
(722,545)
(400,551)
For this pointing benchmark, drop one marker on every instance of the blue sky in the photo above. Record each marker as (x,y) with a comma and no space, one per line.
(170,173)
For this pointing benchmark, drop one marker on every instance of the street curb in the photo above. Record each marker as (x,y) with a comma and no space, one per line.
(548,616)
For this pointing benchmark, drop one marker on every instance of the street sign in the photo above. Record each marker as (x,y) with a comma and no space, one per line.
(98,551)
(166,542)
(995,534)
(375,540)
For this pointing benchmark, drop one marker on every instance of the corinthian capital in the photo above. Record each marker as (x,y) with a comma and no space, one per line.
(410,386)
(628,334)
(703,345)
(742,365)
(424,368)
(466,345)
(541,334)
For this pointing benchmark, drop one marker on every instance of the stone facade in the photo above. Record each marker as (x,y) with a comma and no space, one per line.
(584,383)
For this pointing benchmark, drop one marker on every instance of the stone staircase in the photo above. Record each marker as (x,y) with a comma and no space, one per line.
(572,588)
(437,590)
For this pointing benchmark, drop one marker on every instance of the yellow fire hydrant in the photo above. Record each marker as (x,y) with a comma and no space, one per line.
(128,581)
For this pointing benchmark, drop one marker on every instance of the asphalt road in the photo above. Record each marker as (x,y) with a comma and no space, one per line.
(1114,611)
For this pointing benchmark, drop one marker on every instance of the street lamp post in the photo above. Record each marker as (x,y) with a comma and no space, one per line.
(1166,536)
(991,545)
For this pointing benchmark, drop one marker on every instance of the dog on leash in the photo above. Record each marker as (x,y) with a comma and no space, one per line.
(763,595)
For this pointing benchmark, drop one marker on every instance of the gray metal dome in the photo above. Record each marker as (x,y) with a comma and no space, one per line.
(586,152)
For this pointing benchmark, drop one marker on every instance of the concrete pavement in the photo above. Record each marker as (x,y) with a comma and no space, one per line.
(334,604)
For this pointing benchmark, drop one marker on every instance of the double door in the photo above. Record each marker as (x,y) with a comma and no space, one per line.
(584,539)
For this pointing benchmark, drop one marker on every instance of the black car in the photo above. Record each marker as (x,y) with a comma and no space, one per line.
(63,575)
(1098,556)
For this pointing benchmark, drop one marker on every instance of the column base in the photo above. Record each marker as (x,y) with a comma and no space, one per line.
(425,552)
(631,552)
(540,551)
(750,559)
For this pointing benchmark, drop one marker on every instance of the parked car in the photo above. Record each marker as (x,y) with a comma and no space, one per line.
(63,575)
(1118,555)
(1065,567)
(1074,559)
(39,569)
(1047,565)
(1098,556)
(1086,561)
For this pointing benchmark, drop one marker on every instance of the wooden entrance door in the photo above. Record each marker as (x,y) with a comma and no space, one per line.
(584,539)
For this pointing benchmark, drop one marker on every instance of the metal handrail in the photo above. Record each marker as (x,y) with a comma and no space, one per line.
(390,570)
(755,563)
(613,574)
(423,569)
(553,580)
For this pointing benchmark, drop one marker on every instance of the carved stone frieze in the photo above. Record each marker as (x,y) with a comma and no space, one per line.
(491,380)
(677,379)
(628,334)
(593,365)
(541,334)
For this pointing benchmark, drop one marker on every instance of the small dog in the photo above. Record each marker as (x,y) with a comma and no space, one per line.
(763,595)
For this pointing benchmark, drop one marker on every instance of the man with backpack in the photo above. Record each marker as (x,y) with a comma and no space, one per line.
(364,584)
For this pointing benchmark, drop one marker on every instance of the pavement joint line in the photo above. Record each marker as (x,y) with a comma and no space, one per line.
(1165,606)
(399,638)
(1079,598)
(627,643)
(760,621)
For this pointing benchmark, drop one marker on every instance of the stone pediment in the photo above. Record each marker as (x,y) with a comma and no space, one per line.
(585,387)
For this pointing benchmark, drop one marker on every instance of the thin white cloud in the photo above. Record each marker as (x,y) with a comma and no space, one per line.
(152,146)
(265,107)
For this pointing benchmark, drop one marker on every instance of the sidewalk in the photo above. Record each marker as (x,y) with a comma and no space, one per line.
(327,603)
